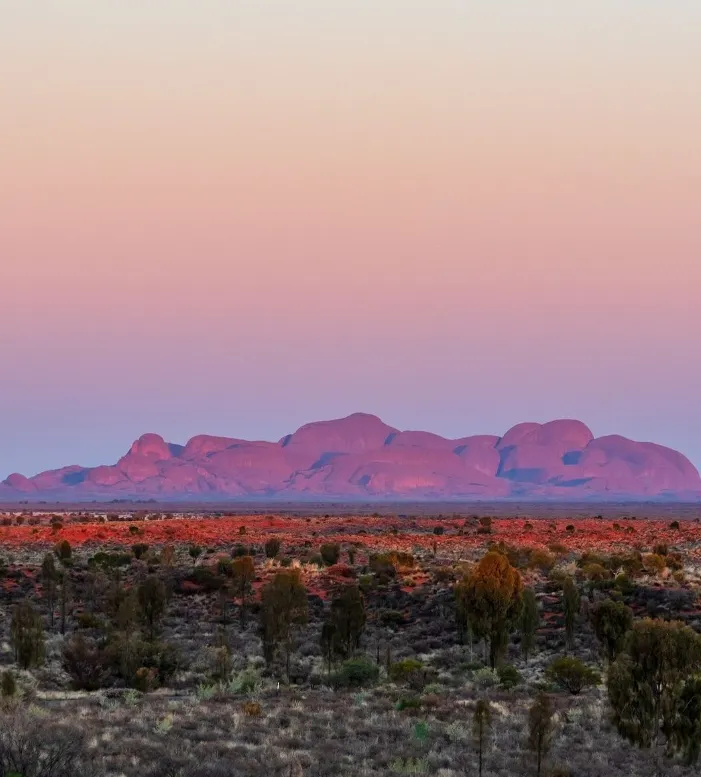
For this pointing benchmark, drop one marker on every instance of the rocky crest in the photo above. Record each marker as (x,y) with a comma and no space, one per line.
(362,457)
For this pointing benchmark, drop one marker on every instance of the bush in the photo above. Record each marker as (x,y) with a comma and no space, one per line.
(252,709)
(247,681)
(85,662)
(355,673)
(34,745)
(410,703)
(408,671)
(486,677)
(8,684)
(330,552)
(399,671)
(272,547)
(128,655)
(572,675)
(509,676)
(27,636)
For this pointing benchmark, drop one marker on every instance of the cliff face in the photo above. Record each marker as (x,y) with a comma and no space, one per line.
(361,456)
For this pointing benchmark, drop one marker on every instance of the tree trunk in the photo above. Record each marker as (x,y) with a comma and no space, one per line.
(63,603)
(480,748)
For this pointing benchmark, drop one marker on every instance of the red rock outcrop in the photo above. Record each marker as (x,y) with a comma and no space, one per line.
(362,457)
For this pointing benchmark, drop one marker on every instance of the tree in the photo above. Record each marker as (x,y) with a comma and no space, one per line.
(139,550)
(63,551)
(283,606)
(27,636)
(244,572)
(491,600)
(48,579)
(348,618)
(272,547)
(570,604)
(37,745)
(649,680)
(85,662)
(328,643)
(330,553)
(528,622)
(572,675)
(611,621)
(195,552)
(151,595)
(481,721)
(540,728)
(686,737)
(65,583)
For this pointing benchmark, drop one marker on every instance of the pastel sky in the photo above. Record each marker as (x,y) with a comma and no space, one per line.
(236,216)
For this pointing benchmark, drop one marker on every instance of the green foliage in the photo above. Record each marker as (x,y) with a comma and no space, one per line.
(509,676)
(272,547)
(421,732)
(611,620)
(243,571)
(572,675)
(686,735)
(408,703)
(348,619)
(247,681)
(356,673)
(206,578)
(650,682)
(330,553)
(139,550)
(489,602)
(27,636)
(570,604)
(283,607)
(401,670)
(63,551)
(109,560)
(127,655)
(8,684)
(85,662)
(528,622)
(540,728)
(151,595)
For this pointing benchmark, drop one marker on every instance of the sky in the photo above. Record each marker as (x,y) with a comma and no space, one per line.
(237,216)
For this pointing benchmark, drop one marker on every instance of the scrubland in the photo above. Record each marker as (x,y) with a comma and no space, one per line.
(356,645)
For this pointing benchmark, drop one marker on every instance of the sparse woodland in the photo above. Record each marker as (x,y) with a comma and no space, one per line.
(290,646)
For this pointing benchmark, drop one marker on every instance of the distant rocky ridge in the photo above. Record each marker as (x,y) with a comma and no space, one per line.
(361,457)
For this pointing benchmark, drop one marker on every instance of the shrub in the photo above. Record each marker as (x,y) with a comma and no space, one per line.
(410,703)
(252,709)
(355,673)
(127,655)
(85,662)
(272,547)
(408,671)
(8,684)
(139,550)
(64,551)
(33,745)
(27,636)
(509,676)
(572,675)
(486,677)
(330,552)
(247,681)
